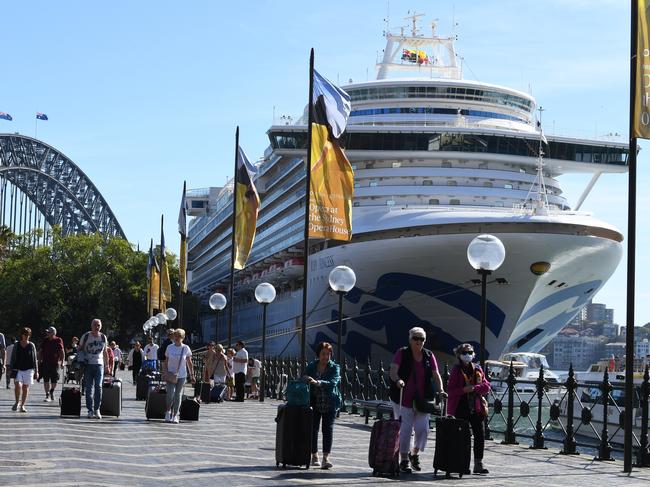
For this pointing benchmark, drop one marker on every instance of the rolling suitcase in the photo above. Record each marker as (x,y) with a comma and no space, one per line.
(453,445)
(156,405)
(293,436)
(70,401)
(202,390)
(111,398)
(189,410)
(143,384)
(383,452)
(217,393)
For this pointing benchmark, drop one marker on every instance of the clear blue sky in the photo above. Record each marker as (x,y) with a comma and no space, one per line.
(143,95)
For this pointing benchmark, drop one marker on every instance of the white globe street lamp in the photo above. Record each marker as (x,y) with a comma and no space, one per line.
(217,302)
(162,319)
(171,314)
(265,295)
(485,253)
(342,279)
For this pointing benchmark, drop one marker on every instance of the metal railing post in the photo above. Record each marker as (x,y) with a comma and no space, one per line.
(605,448)
(345,385)
(570,442)
(643,457)
(510,437)
(538,437)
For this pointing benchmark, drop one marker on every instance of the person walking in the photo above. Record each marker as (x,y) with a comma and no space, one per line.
(52,359)
(93,345)
(230,373)
(166,342)
(3,355)
(413,370)
(117,357)
(324,377)
(24,364)
(254,372)
(467,388)
(135,359)
(221,367)
(177,368)
(10,349)
(240,366)
(209,362)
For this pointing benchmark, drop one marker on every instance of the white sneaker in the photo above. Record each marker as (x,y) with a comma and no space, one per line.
(47,399)
(22,409)
(176,419)
(98,415)
(168,417)
(90,415)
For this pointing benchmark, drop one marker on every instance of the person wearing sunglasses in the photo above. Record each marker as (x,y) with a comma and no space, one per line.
(413,371)
(467,388)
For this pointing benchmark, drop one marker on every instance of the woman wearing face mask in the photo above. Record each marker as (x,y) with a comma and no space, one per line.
(467,388)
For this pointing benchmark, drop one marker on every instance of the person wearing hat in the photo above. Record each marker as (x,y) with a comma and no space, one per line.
(163,348)
(52,358)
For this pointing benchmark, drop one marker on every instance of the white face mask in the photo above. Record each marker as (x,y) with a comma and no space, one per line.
(467,357)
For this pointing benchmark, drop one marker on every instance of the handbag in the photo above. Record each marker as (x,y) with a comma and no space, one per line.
(172,377)
(297,393)
(13,373)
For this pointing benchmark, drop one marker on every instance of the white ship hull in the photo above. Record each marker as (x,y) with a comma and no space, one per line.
(426,281)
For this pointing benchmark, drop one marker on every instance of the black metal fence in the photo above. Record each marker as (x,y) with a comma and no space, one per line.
(581,414)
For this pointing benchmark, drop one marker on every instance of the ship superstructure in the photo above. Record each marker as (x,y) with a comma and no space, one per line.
(438,160)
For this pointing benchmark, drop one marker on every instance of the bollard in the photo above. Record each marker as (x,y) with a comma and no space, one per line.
(538,437)
(643,455)
(510,437)
(569,440)
(605,448)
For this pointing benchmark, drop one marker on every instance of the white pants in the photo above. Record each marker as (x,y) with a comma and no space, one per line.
(411,420)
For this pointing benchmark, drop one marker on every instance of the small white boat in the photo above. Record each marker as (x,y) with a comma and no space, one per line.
(526,367)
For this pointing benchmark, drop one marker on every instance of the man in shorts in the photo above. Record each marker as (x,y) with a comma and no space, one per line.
(3,355)
(51,357)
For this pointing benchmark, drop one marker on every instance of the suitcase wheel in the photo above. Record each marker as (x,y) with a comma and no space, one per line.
(460,475)
(447,475)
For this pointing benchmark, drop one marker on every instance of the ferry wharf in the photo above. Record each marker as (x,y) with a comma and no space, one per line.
(234,444)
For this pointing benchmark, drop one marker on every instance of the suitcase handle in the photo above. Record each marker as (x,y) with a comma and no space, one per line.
(401,396)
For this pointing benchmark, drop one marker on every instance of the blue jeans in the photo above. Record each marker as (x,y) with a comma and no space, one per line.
(328,430)
(174,395)
(93,375)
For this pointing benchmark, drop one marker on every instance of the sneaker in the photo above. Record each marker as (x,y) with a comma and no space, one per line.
(97,414)
(168,417)
(52,395)
(315,462)
(479,468)
(326,465)
(91,415)
(415,462)
(404,467)
(14,407)
(22,408)
(47,399)
(176,419)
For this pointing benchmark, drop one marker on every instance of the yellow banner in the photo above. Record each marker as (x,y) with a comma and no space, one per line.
(247,206)
(331,188)
(166,285)
(153,291)
(182,268)
(641,126)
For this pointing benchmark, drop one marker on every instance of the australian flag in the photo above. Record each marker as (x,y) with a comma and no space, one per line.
(5,116)
(41,116)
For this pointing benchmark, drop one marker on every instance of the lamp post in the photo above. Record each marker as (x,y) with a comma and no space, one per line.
(217,302)
(264,294)
(485,253)
(342,279)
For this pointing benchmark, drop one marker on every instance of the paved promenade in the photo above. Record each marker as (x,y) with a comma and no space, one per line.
(233,444)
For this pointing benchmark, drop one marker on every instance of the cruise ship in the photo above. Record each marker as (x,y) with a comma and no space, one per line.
(437,161)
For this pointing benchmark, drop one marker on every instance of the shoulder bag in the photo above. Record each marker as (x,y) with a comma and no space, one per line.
(172,377)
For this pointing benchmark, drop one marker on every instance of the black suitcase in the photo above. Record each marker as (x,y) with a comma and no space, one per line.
(202,390)
(143,384)
(70,401)
(111,398)
(189,410)
(156,405)
(217,393)
(293,436)
(453,446)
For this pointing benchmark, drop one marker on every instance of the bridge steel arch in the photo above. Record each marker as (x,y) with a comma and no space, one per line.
(58,188)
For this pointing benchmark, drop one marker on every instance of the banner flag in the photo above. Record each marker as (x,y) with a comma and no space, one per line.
(247,207)
(182,229)
(641,125)
(332,178)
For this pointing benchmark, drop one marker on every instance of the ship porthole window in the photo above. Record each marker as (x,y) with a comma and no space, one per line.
(507,186)
(452,183)
(488,184)
(434,201)
(427,182)
(356,203)
(454,201)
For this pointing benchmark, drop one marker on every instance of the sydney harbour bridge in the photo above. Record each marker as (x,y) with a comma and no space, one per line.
(40,187)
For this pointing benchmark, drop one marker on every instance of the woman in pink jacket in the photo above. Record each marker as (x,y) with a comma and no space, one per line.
(467,388)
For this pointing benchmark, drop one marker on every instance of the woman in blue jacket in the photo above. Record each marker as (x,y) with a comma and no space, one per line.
(324,376)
